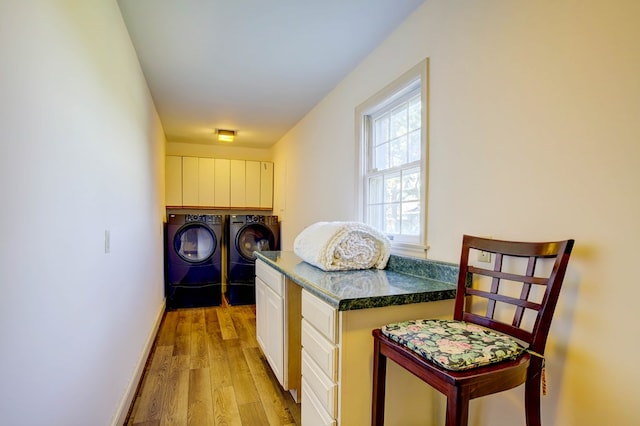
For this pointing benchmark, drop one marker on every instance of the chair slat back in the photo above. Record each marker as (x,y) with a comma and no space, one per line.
(521,287)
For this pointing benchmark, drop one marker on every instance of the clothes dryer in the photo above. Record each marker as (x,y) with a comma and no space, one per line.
(193,260)
(248,234)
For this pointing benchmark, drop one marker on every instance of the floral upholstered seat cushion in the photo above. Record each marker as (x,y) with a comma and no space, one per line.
(454,345)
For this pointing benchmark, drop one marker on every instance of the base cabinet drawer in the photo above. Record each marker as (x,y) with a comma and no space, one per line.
(270,277)
(312,412)
(323,352)
(324,389)
(320,315)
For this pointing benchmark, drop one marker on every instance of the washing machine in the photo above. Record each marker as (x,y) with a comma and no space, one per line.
(193,260)
(246,235)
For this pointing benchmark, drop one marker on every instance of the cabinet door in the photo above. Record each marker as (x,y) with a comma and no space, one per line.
(238,183)
(222,176)
(189,181)
(206,182)
(266,185)
(261,322)
(270,327)
(173,181)
(275,320)
(253,187)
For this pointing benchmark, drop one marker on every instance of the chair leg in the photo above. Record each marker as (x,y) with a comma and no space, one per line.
(457,407)
(532,393)
(379,379)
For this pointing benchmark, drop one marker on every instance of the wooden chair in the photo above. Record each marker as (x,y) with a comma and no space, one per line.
(514,311)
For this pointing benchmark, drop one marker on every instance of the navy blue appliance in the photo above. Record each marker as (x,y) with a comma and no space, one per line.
(193,260)
(248,234)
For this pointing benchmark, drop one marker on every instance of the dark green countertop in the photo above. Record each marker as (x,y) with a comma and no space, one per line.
(404,281)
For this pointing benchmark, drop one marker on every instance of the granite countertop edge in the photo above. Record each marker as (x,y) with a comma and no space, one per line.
(434,280)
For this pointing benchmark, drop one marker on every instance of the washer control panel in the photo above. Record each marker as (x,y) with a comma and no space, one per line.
(204,218)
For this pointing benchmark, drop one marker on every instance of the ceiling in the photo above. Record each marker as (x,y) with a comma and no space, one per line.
(253,66)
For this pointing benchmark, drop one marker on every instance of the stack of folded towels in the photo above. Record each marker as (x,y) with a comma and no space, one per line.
(341,246)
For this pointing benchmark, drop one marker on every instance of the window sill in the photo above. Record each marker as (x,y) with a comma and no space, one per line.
(409,250)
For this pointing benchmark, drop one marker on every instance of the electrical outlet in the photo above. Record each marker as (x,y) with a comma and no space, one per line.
(484,256)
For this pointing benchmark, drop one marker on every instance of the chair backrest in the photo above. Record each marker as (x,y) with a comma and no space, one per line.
(516,293)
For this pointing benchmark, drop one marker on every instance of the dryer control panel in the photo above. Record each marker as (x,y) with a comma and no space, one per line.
(204,218)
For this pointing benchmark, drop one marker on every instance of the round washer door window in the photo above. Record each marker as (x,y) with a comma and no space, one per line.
(254,237)
(195,243)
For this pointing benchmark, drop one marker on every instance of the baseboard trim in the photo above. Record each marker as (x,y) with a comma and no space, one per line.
(130,394)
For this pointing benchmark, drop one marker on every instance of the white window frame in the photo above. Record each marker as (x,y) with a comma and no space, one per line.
(398,89)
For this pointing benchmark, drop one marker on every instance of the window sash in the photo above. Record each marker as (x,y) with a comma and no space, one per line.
(407,225)
(390,205)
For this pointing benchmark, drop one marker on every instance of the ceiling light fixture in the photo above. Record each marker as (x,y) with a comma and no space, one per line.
(226,135)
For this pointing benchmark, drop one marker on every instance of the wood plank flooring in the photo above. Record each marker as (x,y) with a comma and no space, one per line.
(206,369)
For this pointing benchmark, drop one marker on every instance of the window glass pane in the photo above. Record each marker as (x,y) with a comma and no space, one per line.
(392,188)
(376,216)
(415,113)
(398,150)
(411,218)
(399,121)
(382,157)
(381,129)
(376,190)
(411,184)
(413,146)
(392,219)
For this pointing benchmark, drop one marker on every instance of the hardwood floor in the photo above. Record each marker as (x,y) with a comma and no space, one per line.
(206,369)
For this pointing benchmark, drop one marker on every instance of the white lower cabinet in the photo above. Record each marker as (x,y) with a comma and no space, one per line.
(279,337)
(328,355)
(337,359)
(319,362)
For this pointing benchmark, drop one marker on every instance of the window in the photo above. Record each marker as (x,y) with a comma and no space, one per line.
(393,157)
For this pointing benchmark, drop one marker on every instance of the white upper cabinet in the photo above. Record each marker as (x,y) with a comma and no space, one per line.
(266,185)
(218,183)
(173,181)
(206,182)
(238,184)
(253,186)
(222,183)
(190,181)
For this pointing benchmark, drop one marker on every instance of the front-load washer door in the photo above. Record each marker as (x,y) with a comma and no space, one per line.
(195,243)
(254,237)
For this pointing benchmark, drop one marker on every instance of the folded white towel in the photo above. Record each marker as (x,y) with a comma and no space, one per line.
(339,246)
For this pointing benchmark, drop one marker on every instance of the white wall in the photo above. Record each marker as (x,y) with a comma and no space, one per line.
(534,135)
(82,152)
